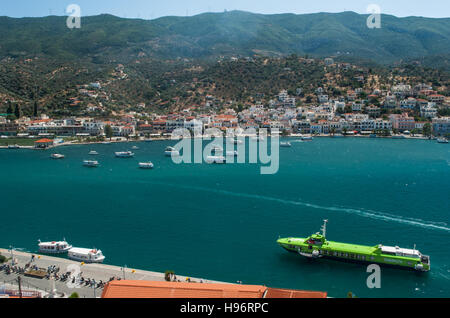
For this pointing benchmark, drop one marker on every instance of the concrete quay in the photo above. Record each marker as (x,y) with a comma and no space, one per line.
(99,272)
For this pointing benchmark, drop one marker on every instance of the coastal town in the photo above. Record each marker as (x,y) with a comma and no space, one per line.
(403,109)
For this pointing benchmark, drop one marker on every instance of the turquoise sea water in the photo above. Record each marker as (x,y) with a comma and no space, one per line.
(221,222)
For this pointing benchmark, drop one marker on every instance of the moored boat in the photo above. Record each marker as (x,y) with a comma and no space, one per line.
(124,154)
(93,153)
(91,163)
(135,148)
(146,165)
(171,152)
(232,153)
(13,147)
(442,140)
(57,156)
(54,247)
(86,255)
(317,246)
(217,150)
(285,144)
(307,138)
(216,159)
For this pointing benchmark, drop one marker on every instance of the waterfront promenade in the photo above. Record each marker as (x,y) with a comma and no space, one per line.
(99,272)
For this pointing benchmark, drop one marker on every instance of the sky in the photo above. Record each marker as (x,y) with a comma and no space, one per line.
(151,9)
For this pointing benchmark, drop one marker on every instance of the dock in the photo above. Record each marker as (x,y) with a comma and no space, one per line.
(99,272)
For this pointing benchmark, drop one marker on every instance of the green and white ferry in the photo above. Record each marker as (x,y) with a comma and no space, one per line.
(317,246)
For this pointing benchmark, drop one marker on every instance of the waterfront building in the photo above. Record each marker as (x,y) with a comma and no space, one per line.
(8,128)
(402,122)
(43,143)
(149,289)
(441,126)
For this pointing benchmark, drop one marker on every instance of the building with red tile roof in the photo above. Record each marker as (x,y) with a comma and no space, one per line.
(149,289)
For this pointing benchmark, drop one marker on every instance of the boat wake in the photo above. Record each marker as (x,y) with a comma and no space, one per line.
(360,212)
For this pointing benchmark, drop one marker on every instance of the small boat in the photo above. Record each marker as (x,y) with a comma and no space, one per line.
(148,140)
(398,137)
(93,153)
(171,151)
(90,163)
(57,156)
(146,165)
(135,148)
(285,144)
(106,143)
(54,247)
(86,255)
(215,159)
(124,154)
(373,136)
(13,147)
(235,141)
(217,149)
(307,138)
(232,154)
(442,140)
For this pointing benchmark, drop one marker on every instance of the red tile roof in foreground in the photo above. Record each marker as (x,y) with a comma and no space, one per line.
(44,141)
(148,289)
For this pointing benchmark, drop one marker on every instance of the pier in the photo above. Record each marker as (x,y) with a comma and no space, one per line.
(98,272)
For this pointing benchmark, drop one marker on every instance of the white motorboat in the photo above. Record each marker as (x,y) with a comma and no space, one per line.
(86,255)
(90,163)
(124,154)
(135,148)
(442,140)
(232,153)
(171,152)
(307,138)
(215,159)
(13,147)
(54,247)
(285,144)
(217,149)
(57,156)
(146,165)
(93,153)
(235,141)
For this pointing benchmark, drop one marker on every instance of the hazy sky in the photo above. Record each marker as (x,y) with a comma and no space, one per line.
(150,9)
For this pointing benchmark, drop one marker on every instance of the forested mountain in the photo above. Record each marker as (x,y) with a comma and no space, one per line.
(238,33)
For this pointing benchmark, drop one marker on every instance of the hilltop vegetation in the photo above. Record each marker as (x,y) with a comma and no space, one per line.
(211,35)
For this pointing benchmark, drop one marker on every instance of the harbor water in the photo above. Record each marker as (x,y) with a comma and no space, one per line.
(221,222)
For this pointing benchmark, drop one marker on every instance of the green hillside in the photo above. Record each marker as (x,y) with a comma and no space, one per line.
(211,35)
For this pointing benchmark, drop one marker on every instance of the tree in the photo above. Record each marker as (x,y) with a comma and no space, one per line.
(3,259)
(35,109)
(108,132)
(74,295)
(427,130)
(169,275)
(17,111)
(9,111)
